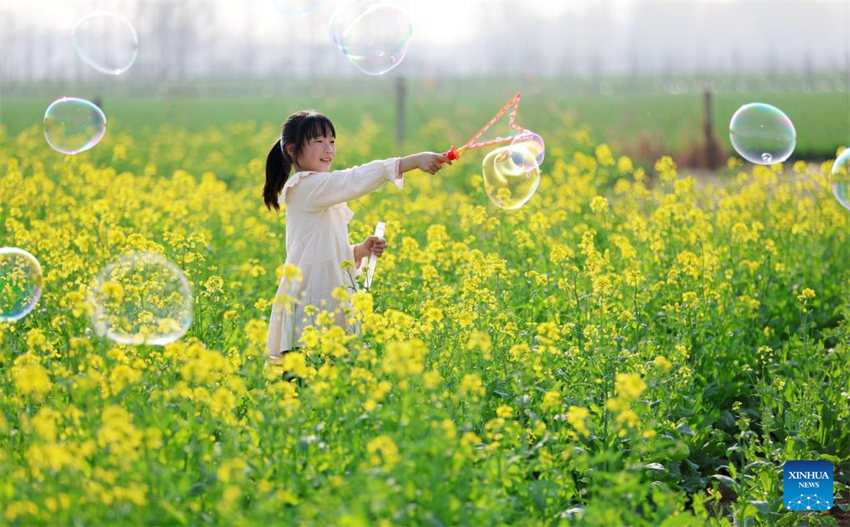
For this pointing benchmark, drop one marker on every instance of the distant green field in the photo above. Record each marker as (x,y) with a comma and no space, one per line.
(642,122)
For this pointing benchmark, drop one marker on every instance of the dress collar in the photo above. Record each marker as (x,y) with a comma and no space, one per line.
(291,181)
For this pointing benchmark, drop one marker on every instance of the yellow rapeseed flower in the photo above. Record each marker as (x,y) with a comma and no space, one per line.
(662,363)
(629,386)
(576,417)
(599,204)
(383,451)
(30,377)
(552,400)
(471,386)
(805,295)
(404,358)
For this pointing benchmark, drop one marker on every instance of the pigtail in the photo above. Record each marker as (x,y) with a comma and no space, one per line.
(278,167)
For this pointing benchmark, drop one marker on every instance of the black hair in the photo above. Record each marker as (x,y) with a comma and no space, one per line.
(298,129)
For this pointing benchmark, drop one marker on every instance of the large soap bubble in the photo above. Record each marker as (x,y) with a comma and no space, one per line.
(141,298)
(20,283)
(839,178)
(107,42)
(507,180)
(73,125)
(374,36)
(762,134)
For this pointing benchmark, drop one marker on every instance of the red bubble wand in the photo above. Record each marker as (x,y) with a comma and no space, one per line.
(512,105)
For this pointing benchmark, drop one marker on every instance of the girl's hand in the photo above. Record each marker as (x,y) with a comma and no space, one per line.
(372,245)
(431,162)
(426,161)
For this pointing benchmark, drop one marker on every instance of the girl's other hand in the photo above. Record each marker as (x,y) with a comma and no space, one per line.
(374,245)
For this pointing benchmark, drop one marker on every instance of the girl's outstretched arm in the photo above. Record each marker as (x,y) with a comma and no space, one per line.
(326,189)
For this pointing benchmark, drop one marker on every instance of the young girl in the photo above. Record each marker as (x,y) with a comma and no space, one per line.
(317,218)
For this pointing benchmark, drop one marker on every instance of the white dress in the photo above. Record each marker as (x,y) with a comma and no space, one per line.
(317,242)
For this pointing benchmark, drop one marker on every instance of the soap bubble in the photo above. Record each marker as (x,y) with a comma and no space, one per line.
(762,134)
(840,178)
(297,8)
(141,298)
(20,283)
(509,184)
(374,36)
(73,125)
(534,144)
(343,17)
(106,42)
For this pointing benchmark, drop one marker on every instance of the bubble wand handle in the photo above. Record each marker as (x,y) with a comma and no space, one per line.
(373,260)
(453,154)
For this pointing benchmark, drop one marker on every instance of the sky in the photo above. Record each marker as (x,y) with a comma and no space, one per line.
(465,37)
(436,20)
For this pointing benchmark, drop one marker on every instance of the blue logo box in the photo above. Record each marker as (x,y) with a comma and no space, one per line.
(807,485)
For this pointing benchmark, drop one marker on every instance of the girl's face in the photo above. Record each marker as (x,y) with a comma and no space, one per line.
(316,155)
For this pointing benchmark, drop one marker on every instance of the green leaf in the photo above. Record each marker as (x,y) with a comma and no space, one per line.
(685,429)
(835,460)
(729,482)
(762,506)
(757,464)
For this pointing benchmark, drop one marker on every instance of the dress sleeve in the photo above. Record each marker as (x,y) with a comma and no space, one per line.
(326,189)
(356,261)
(358,264)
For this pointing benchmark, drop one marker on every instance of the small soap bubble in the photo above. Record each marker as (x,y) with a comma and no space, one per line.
(73,125)
(762,134)
(20,283)
(374,36)
(840,178)
(107,42)
(534,144)
(141,298)
(297,8)
(509,184)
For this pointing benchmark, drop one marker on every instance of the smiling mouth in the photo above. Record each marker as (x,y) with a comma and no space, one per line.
(325,160)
